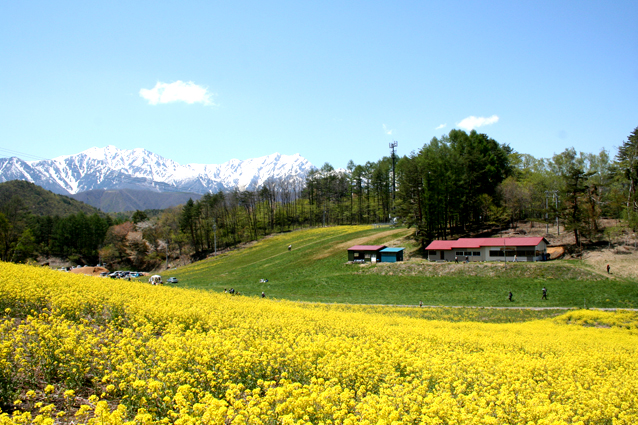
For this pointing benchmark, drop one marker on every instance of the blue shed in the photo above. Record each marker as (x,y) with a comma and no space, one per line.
(391,255)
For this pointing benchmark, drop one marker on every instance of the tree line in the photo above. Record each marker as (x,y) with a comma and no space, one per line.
(456,185)
(453,186)
(24,235)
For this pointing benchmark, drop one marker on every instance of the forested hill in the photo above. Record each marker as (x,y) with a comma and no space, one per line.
(41,202)
(119,200)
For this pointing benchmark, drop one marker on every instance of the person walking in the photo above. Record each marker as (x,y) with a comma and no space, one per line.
(263,294)
(290,247)
(456,259)
(608,272)
(509,297)
(544,293)
(420,303)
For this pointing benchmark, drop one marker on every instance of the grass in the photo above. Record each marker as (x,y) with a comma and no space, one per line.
(315,270)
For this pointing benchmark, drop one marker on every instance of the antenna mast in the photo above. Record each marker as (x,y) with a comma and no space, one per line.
(393,145)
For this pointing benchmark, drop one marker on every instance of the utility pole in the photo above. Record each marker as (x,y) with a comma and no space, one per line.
(546,213)
(556,201)
(215,236)
(393,145)
(555,198)
(505,249)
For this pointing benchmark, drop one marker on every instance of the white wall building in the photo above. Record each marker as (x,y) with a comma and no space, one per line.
(489,249)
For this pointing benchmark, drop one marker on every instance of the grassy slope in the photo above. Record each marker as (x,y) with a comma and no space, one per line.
(316,270)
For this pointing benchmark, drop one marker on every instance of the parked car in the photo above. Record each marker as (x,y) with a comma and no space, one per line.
(172,280)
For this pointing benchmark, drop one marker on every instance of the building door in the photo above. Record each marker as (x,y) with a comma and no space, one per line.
(442,255)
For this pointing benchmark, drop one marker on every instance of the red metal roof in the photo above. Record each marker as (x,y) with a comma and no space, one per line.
(479,242)
(366,247)
(441,245)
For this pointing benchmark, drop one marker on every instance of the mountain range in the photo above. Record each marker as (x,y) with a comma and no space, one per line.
(111,168)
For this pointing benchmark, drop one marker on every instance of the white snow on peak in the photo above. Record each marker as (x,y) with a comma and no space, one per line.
(110,167)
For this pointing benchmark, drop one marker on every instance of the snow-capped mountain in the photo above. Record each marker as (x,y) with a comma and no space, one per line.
(113,168)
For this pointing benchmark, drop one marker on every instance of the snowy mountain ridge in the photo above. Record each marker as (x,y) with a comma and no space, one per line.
(114,168)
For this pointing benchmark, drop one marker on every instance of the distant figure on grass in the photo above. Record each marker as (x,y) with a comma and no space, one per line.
(608,269)
(263,294)
(420,303)
(456,259)
(544,293)
(467,259)
(290,247)
(509,297)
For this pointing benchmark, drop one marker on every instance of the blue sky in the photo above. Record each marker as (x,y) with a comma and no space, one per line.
(205,82)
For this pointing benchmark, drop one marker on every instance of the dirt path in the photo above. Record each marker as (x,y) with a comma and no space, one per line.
(592,270)
(358,241)
(352,242)
(477,307)
(622,260)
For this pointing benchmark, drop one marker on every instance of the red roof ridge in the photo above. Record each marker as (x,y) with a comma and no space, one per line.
(480,242)
(366,247)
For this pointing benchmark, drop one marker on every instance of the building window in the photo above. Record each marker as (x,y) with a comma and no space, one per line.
(496,253)
(432,254)
(356,255)
(476,253)
(459,253)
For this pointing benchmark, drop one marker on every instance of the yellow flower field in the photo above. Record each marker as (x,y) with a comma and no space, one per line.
(76,349)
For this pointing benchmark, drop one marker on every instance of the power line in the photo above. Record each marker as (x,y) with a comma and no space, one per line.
(22,154)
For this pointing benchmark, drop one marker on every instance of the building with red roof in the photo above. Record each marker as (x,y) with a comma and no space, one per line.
(365,253)
(489,249)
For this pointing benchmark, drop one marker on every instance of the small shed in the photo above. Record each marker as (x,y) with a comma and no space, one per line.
(365,253)
(391,255)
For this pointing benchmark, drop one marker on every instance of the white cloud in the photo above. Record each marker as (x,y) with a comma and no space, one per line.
(440,127)
(472,122)
(178,91)
(385,129)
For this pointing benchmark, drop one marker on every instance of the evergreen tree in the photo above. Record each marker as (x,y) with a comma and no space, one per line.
(572,171)
(627,162)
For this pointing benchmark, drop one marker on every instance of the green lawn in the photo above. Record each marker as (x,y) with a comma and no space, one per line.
(315,270)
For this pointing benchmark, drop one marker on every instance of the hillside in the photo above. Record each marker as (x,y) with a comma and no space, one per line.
(120,200)
(79,349)
(41,202)
(316,269)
